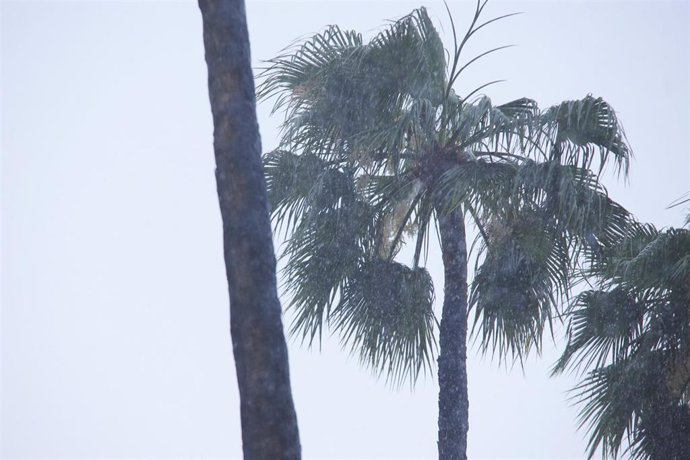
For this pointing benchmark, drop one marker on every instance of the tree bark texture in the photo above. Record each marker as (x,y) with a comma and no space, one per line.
(269,423)
(453,403)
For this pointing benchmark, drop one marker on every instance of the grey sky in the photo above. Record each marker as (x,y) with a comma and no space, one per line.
(114,306)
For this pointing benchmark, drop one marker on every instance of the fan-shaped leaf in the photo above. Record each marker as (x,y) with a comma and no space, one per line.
(385,314)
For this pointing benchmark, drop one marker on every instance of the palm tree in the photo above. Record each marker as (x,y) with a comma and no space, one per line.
(632,335)
(267,413)
(379,149)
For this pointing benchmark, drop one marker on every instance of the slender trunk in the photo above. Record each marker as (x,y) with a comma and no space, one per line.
(269,423)
(453,404)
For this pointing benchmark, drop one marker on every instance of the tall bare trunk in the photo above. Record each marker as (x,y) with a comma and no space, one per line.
(453,404)
(269,423)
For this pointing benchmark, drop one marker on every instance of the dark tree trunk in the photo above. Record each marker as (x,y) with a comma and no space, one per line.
(453,404)
(269,423)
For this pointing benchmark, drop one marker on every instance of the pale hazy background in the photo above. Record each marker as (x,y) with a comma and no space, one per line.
(115,337)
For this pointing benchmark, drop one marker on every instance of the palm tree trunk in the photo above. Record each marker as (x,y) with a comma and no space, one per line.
(453,404)
(269,423)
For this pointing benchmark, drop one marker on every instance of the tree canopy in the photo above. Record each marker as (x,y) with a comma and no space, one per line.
(630,333)
(376,141)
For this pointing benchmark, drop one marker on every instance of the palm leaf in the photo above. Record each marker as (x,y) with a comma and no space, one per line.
(515,288)
(385,314)
(299,184)
(622,403)
(473,124)
(603,326)
(324,250)
(345,91)
(291,75)
(576,201)
(484,185)
(664,258)
(577,130)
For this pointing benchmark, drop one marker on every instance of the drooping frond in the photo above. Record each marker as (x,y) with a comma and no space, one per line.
(535,221)
(609,397)
(576,131)
(515,290)
(511,304)
(576,202)
(603,326)
(385,314)
(629,403)
(664,432)
(324,250)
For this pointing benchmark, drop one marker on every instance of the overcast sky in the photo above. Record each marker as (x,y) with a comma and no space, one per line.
(115,337)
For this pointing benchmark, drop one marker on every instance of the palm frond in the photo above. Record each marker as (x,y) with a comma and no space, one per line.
(474,27)
(506,126)
(292,75)
(608,410)
(663,432)
(603,326)
(385,314)
(576,201)
(663,261)
(517,286)
(647,259)
(681,200)
(484,185)
(627,402)
(607,265)
(359,97)
(577,130)
(299,184)
(396,199)
(326,247)
(412,54)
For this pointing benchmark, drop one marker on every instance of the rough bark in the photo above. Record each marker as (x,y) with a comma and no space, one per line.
(269,423)
(453,403)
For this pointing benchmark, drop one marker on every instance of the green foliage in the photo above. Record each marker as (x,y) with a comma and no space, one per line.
(377,143)
(345,97)
(582,128)
(385,312)
(515,290)
(632,336)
